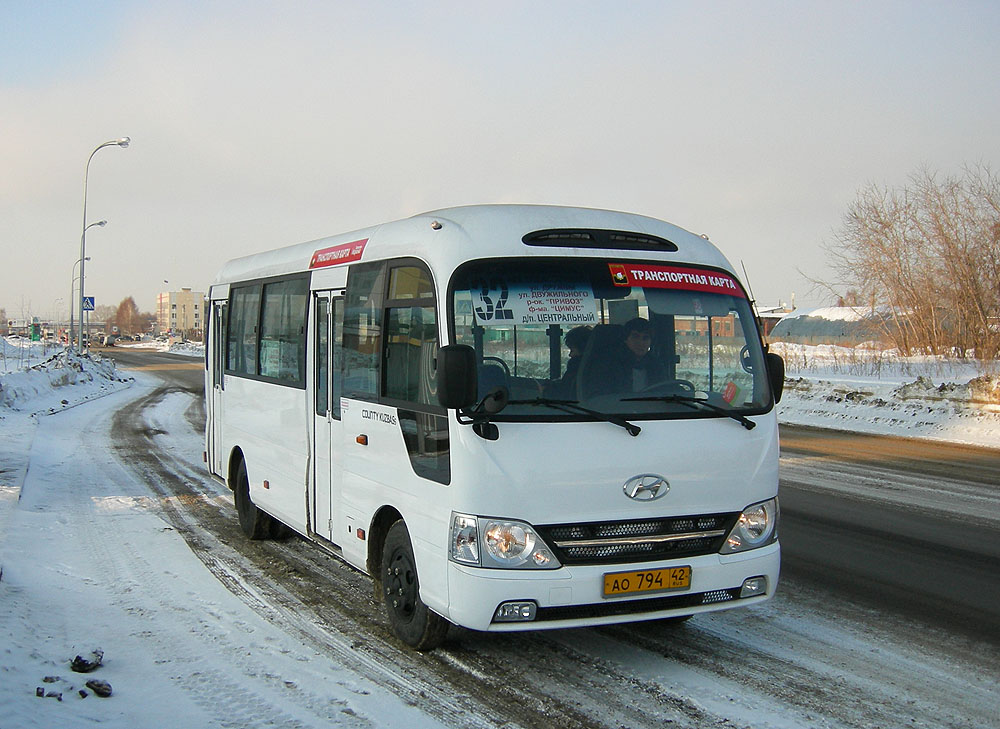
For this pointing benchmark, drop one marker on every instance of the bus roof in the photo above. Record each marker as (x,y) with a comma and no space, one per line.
(448,237)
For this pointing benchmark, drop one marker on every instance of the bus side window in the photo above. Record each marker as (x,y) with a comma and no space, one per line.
(282,339)
(411,337)
(241,333)
(363,330)
(411,344)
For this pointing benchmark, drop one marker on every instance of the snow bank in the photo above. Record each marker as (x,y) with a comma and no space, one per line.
(62,380)
(185,349)
(868,390)
(869,361)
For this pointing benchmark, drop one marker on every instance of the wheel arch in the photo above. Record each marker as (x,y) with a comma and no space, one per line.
(384,518)
(235,457)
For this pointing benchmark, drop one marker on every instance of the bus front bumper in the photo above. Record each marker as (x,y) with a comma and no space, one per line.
(510,600)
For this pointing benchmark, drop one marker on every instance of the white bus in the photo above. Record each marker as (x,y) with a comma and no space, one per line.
(511,417)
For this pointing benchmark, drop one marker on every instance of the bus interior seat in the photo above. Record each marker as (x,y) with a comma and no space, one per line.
(600,359)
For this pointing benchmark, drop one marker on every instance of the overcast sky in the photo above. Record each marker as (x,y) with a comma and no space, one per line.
(257,124)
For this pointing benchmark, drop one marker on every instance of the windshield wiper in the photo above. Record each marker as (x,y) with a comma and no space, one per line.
(695,403)
(573,406)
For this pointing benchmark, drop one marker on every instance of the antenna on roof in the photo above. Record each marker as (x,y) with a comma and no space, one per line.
(753,304)
(753,299)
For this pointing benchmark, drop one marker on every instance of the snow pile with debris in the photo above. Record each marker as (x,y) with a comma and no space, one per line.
(870,390)
(60,380)
(171,346)
(187,349)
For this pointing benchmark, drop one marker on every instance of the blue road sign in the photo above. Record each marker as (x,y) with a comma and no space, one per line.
(88,303)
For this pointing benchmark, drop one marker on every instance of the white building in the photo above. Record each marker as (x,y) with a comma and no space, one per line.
(181,312)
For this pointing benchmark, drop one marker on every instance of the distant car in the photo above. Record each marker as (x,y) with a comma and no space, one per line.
(109,340)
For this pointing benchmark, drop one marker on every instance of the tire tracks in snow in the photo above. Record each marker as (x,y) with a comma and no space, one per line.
(475,680)
(805,659)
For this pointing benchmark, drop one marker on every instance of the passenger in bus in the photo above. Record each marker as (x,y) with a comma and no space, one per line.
(565,387)
(618,360)
(642,369)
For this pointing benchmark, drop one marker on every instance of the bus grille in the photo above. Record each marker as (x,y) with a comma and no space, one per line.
(643,540)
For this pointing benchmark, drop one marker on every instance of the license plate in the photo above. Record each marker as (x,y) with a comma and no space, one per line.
(662,580)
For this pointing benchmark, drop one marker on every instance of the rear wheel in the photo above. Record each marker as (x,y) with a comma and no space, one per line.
(412,621)
(254,522)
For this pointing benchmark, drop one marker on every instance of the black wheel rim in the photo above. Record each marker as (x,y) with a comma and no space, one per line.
(401,585)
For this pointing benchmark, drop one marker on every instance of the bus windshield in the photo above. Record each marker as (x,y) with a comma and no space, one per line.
(641,340)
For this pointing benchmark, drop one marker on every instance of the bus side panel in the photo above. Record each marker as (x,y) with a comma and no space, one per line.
(380,474)
(269,423)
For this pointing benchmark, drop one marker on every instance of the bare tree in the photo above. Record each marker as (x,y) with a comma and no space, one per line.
(105,314)
(927,258)
(146,322)
(127,316)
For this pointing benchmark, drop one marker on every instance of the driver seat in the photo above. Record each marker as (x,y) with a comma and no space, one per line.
(601,366)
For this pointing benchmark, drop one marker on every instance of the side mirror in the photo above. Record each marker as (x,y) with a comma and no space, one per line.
(776,375)
(457,377)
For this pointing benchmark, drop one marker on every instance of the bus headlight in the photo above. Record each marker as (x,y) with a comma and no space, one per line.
(756,527)
(501,543)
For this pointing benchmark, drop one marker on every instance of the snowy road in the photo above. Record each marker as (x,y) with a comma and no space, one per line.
(120,539)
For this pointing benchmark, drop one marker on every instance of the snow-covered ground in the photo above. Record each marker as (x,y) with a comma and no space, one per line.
(873,391)
(88,562)
(81,541)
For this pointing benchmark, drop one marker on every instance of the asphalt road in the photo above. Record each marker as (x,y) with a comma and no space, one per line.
(902,525)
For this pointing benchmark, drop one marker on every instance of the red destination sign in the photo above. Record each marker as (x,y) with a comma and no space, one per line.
(673,277)
(344,253)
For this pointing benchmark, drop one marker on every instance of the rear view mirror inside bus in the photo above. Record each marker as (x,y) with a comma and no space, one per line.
(456,376)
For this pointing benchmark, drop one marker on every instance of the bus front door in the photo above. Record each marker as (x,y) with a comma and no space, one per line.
(328,430)
(217,326)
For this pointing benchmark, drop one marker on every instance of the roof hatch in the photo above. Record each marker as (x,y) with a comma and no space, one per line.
(594,238)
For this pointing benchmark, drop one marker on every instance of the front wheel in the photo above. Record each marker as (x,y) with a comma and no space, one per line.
(412,621)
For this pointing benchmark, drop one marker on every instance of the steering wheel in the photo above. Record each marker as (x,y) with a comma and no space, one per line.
(745,362)
(506,369)
(678,384)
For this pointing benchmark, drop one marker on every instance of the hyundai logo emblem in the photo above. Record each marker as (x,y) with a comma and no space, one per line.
(646,487)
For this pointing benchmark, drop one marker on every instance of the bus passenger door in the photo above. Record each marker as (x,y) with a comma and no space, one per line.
(218,367)
(328,430)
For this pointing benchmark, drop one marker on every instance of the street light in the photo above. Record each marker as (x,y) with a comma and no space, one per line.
(123,142)
(72,299)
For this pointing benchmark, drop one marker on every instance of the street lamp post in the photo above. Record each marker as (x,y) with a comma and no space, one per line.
(72,297)
(123,142)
